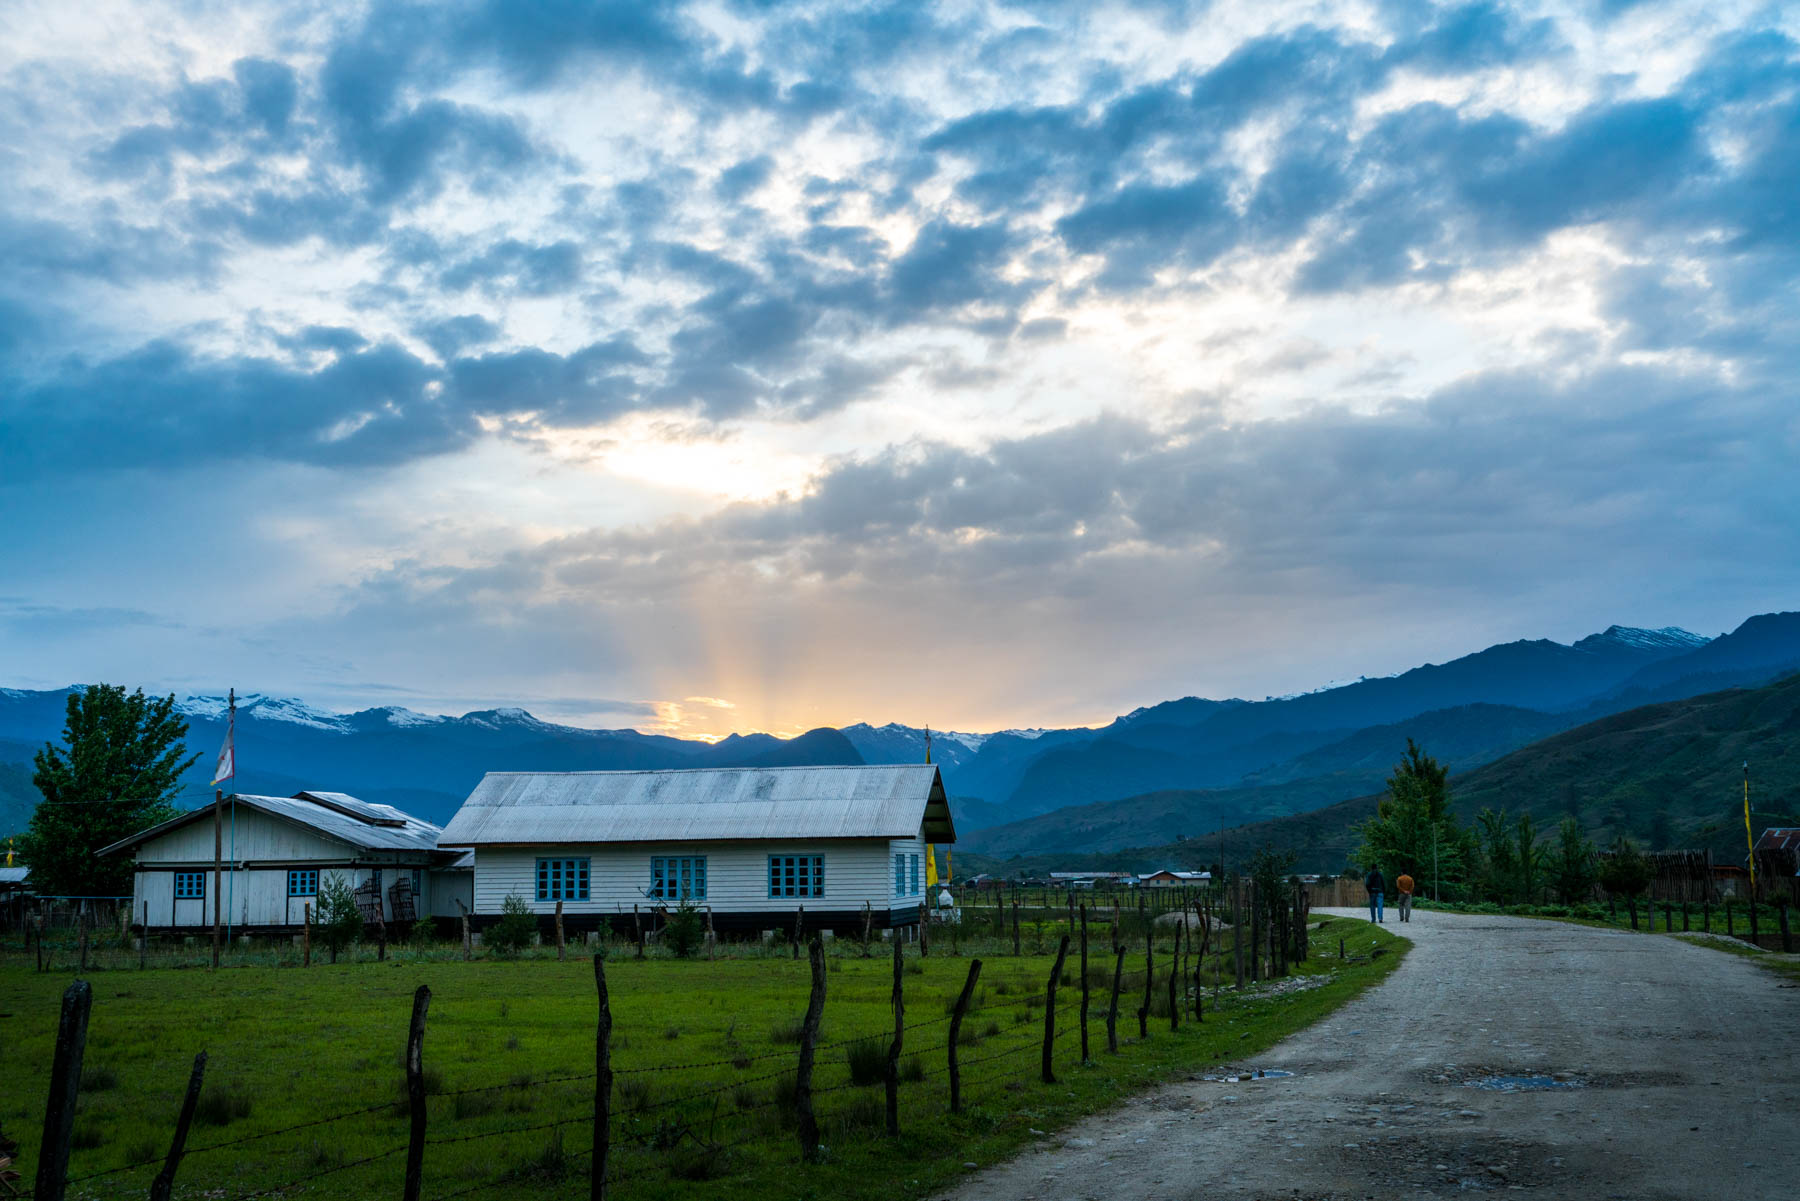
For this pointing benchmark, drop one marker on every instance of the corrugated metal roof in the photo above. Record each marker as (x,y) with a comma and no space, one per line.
(1779,838)
(410,834)
(14,875)
(876,801)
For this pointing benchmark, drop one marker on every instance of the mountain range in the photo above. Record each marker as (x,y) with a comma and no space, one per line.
(1173,768)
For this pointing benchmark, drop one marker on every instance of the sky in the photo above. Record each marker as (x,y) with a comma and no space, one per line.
(759,366)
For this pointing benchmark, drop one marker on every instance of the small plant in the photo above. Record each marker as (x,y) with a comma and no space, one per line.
(475,1105)
(990,1030)
(686,930)
(516,927)
(743,1097)
(912,1070)
(221,1105)
(788,1033)
(868,1061)
(552,1163)
(512,1042)
(635,1092)
(862,1113)
(339,923)
(422,936)
(98,1079)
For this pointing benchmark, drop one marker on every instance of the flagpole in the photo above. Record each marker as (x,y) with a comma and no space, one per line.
(1749,841)
(231,736)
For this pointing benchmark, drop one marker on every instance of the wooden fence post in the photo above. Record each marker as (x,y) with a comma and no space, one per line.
(1056,970)
(1787,938)
(559,932)
(1084,983)
(602,1083)
(1685,917)
(1175,980)
(956,1020)
(1730,923)
(306,934)
(868,921)
(637,929)
(1256,933)
(1015,922)
(164,1185)
(468,938)
(1237,930)
(1143,1013)
(144,941)
(81,927)
(893,1056)
(415,1093)
(712,939)
(65,1083)
(1112,1012)
(809,1038)
(799,928)
(380,932)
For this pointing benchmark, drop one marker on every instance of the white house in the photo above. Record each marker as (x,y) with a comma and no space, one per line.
(751,844)
(1169,878)
(278,850)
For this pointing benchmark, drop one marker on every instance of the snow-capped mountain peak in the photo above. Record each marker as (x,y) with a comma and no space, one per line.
(1670,639)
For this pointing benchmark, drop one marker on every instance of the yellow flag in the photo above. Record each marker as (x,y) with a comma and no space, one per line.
(930,867)
(1749,839)
(946,865)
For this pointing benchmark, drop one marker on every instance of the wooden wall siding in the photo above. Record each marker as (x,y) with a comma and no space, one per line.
(737,875)
(258,897)
(259,837)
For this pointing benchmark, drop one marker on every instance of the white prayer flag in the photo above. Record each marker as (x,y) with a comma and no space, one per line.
(227,765)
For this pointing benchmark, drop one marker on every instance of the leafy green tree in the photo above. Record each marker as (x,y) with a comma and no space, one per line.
(339,923)
(118,772)
(1413,830)
(1627,871)
(1530,857)
(516,927)
(1572,867)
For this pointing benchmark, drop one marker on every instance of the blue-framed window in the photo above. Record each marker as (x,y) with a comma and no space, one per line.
(190,886)
(303,882)
(915,875)
(674,877)
(899,874)
(796,875)
(418,882)
(562,879)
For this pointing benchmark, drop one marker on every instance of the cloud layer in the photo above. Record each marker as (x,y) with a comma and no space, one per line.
(827,358)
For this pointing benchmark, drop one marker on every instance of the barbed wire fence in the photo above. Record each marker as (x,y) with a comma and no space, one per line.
(696,1133)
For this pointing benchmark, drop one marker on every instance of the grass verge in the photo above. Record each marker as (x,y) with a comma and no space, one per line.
(703,1102)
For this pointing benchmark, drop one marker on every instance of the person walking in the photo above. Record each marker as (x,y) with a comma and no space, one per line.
(1376,883)
(1405,885)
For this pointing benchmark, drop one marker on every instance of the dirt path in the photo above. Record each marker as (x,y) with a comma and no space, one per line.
(1678,1070)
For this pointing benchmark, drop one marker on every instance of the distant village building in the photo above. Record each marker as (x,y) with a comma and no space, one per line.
(751,845)
(1168,878)
(278,851)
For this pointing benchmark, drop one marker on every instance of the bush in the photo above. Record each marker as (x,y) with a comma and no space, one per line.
(339,923)
(516,927)
(686,930)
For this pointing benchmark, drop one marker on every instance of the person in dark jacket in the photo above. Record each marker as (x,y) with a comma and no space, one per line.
(1376,883)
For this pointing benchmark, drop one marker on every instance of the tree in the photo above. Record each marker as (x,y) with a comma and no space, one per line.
(1572,867)
(517,924)
(1413,830)
(117,773)
(1530,857)
(340,922)
(1627,871)
(1498,876)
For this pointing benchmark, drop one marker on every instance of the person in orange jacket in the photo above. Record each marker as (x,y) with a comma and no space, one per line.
(1405,885)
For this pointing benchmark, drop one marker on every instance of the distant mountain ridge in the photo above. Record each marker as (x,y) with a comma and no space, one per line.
(1279,752)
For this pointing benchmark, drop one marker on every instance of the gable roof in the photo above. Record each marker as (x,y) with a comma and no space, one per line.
(338,815)
(867,801)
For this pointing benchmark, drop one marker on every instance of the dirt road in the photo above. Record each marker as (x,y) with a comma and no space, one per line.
(1653,1069)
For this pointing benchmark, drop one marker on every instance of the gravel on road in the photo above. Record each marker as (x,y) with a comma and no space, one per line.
(1504,1055)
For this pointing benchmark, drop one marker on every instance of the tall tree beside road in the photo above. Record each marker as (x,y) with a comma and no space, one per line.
(118,772)
(1413,830)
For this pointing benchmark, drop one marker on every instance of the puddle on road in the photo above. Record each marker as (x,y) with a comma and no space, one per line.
(1252,1074)
(1521,1084)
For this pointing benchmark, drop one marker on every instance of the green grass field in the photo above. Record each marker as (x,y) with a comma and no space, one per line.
(703,1051)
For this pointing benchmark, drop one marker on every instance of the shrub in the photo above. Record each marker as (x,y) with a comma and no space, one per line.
(635,1092)
(339,922)
(516,927)
(788,1033)
(686,930)
(422,936)
(862,1113)
(912,1070)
